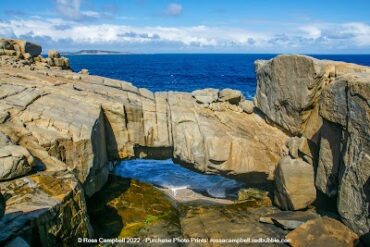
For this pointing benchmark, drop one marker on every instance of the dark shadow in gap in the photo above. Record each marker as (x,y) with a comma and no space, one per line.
(105,220)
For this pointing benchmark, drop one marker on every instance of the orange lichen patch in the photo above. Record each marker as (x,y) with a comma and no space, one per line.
(53,186)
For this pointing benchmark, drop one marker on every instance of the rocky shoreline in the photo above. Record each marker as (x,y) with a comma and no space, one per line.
(306,132)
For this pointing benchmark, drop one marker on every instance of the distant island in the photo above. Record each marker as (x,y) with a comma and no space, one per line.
(95,52)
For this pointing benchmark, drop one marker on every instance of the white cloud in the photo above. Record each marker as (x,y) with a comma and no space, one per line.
(89,13)
(312,31)
(71,9)
(174,9)
(308,38)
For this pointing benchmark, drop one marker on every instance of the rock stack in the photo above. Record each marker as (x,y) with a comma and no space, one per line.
(24,54)
(325,105)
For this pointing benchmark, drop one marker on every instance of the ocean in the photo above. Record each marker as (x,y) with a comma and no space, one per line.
(186,72)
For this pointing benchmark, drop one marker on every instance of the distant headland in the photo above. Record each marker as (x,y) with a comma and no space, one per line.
(95,52)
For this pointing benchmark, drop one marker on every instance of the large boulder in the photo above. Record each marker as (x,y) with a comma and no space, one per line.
(247,106)
(206,96)
(323,231)
(345,151)
(5,44)
(294,184)
(28,47)
(230,95)
(20,48)
(301,147)
(289,86)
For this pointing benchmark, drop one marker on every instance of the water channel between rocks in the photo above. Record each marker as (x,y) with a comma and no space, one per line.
(178,182)
(161,199)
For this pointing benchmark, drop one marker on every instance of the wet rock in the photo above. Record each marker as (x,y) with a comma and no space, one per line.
(322,232)
(294,184)
(247,106)
(49,203)
(237,221)
(230,95)
(206,96)
(288,220)
(17,242)
(144,210)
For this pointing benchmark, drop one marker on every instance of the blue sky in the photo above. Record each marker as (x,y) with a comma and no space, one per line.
(155,26)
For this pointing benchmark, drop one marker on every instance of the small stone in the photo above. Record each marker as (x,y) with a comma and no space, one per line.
(4,116)
(84,71)
(27,56)
(230,95)
(287,219)
(247,106)
(206,96)
(76,77)
(10,52)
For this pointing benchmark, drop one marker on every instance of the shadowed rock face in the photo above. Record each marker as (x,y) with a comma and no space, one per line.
(345,105)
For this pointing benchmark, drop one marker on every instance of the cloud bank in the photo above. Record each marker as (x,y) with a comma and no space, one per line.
(73,34)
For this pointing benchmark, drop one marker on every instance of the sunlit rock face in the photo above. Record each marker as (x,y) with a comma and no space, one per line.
(289,88)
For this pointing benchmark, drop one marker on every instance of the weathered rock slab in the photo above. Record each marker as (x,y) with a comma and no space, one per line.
(294,184)
(323,231)
(289,220)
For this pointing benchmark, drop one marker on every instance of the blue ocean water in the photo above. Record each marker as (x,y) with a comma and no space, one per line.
(186,72)
(166,174)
